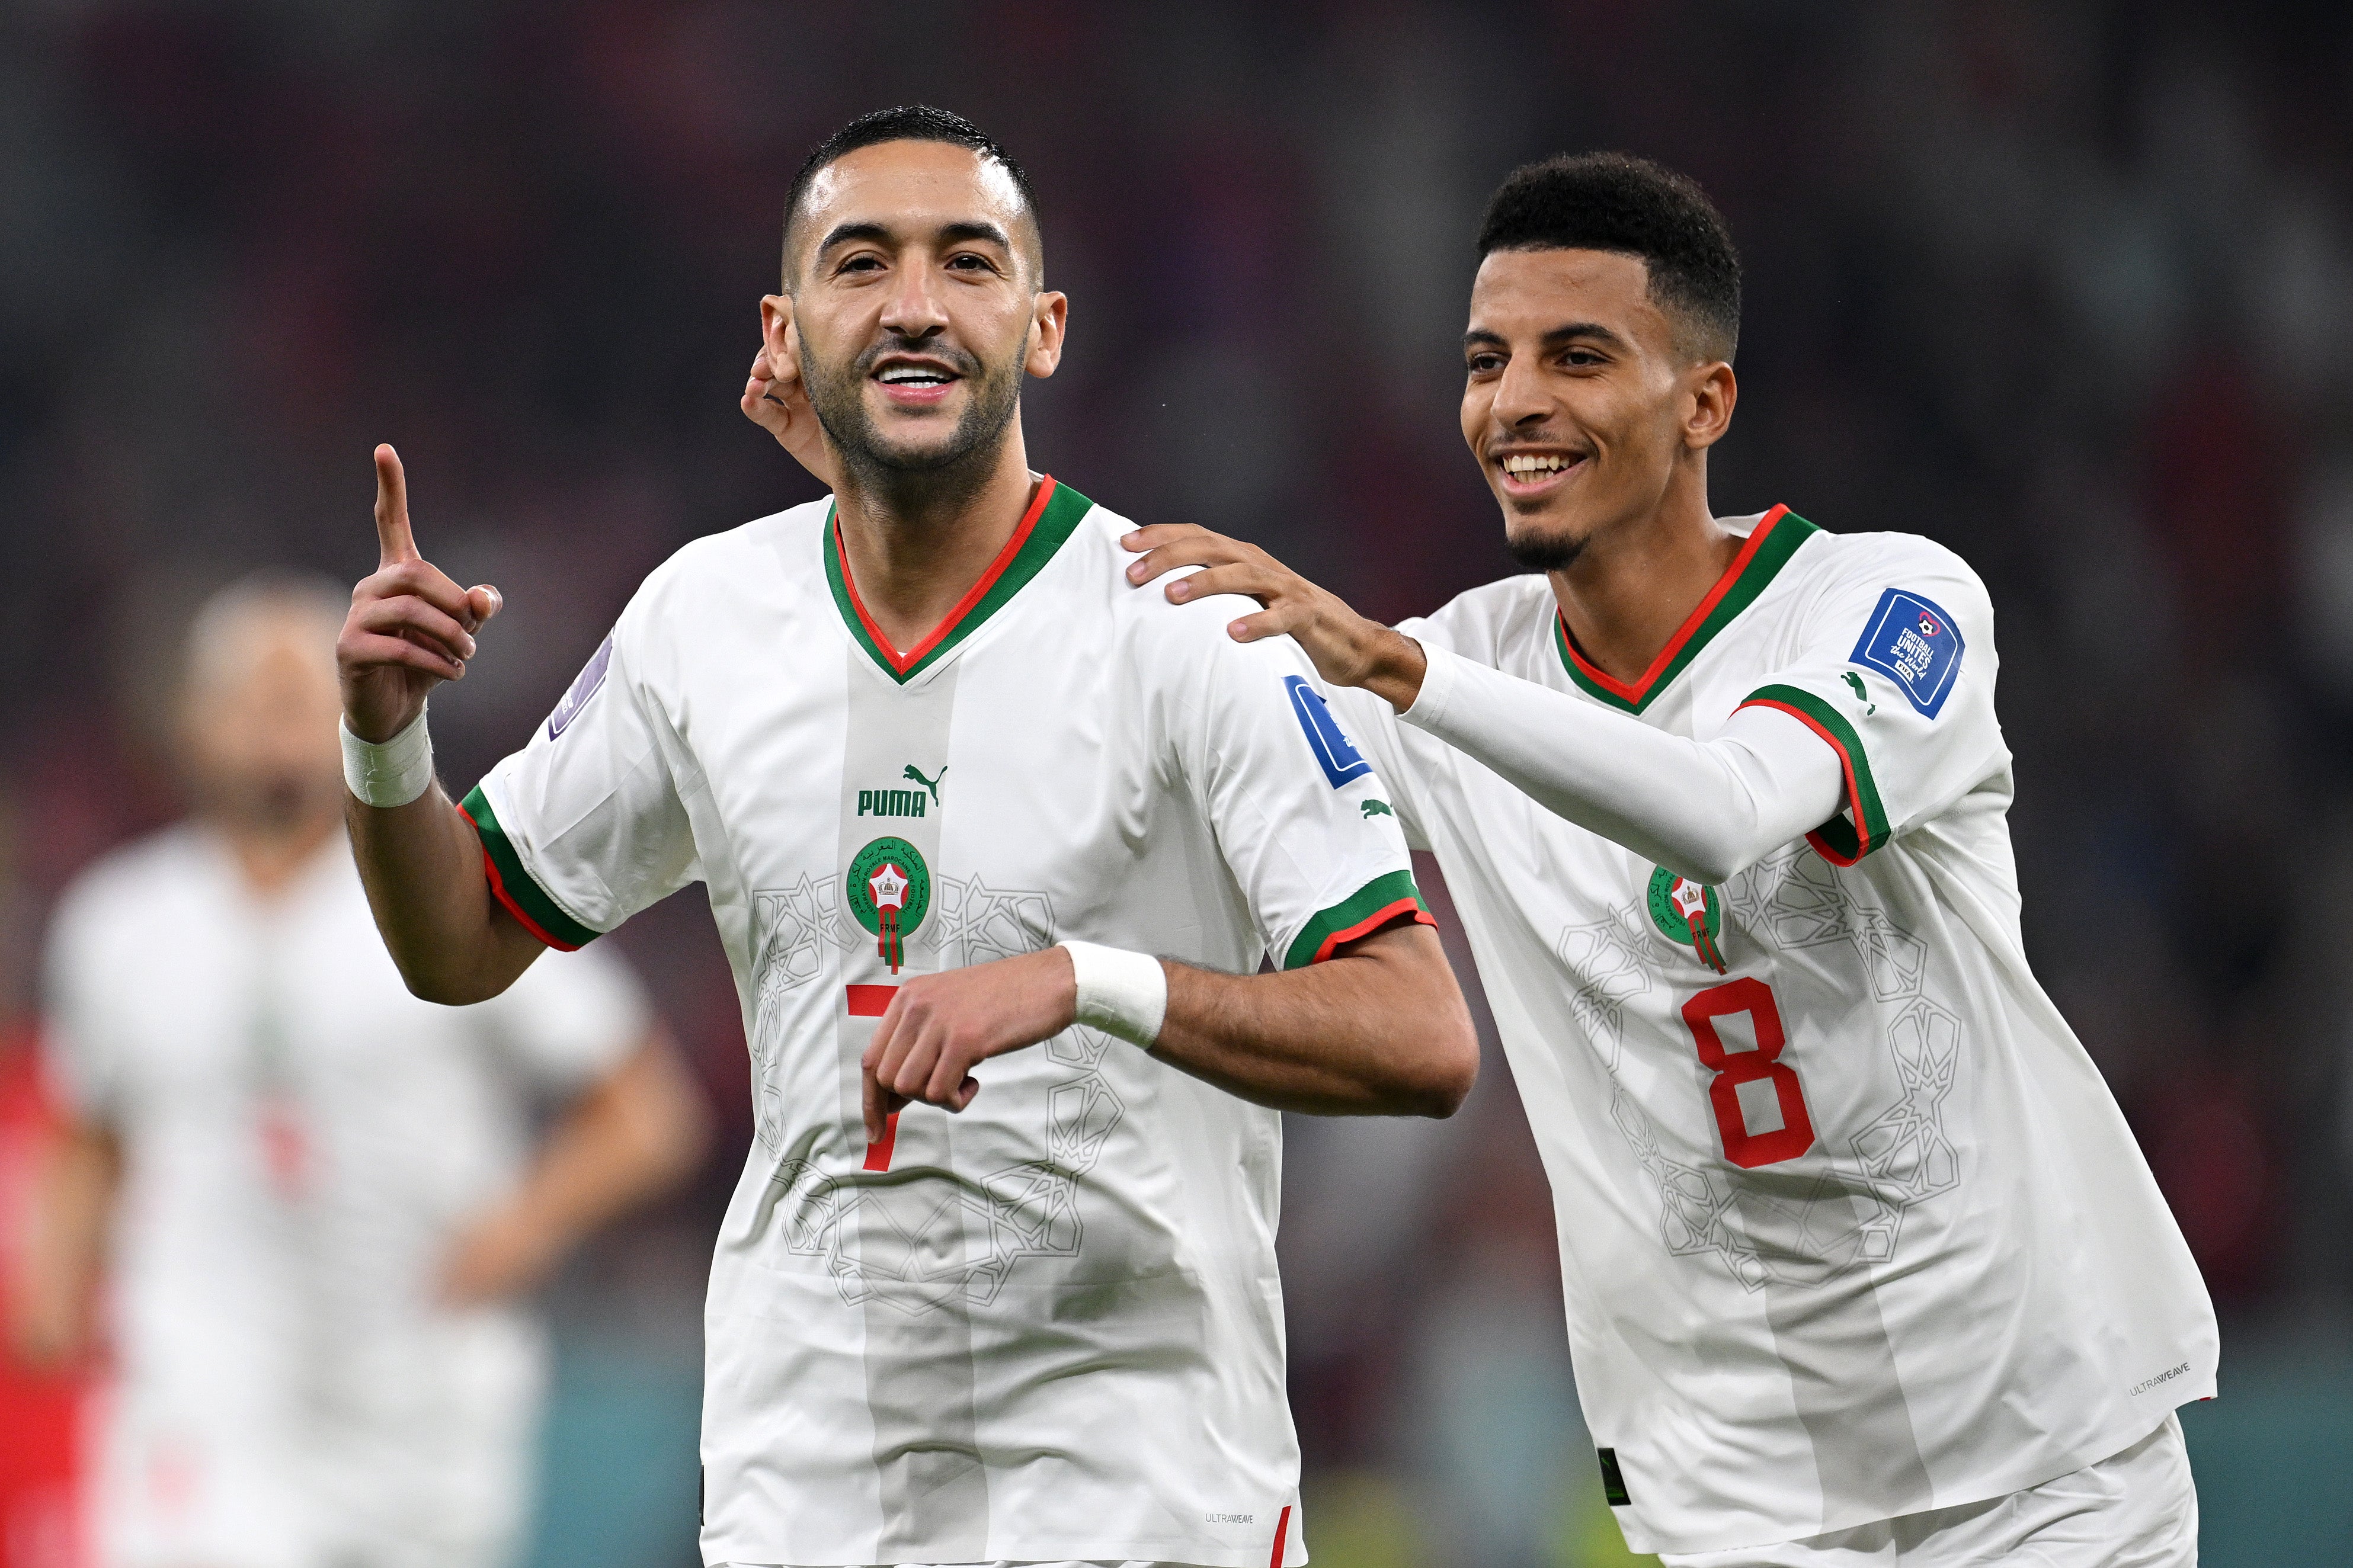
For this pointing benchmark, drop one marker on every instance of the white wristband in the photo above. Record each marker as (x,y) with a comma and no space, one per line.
(1121,993)
(392,773)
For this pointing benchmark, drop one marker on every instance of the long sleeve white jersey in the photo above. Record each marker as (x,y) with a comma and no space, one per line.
(1049,1326)
(1850,1227)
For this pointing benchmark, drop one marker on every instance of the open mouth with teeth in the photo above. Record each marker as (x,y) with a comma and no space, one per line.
(914,384)
(1525,473)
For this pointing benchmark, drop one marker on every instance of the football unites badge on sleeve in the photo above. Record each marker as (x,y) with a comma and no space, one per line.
(585,685)
(890,890)
(1341,762)
(1915,644)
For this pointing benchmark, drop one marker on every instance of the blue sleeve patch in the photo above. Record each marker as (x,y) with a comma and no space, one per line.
(1343,763)
(583,686)
(1914,643)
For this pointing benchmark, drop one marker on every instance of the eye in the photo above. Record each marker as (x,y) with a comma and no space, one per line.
(1484,363)
(965,261)
(864,262)
(1582,357)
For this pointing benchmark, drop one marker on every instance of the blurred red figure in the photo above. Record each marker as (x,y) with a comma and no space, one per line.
(40,1408)
(314,1198)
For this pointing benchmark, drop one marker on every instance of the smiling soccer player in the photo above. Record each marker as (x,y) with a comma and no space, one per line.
(1862,1265)
(952,784)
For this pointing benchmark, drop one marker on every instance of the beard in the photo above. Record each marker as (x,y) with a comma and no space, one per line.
(942,474)
(1543,552)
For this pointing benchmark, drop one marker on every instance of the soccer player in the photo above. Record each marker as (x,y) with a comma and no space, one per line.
(320,1197)
(950,782)
(1862,1263)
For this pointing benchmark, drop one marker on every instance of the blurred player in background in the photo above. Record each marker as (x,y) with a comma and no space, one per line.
(318,1200)
(952,786)
(1862,1265)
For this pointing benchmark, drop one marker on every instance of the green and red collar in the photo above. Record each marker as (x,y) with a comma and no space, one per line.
(1776,538)
(1052,517)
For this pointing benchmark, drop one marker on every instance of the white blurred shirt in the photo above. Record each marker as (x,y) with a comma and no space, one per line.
(304,1140)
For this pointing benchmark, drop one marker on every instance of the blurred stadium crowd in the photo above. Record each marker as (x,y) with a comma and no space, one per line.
(2068,287)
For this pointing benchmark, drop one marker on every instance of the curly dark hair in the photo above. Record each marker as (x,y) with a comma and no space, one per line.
(1618,202)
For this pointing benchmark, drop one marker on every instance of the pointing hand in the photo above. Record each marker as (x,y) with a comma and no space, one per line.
(410,628)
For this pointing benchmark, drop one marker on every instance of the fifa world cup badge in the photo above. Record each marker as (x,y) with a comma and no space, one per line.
(1686,912)
(890,891)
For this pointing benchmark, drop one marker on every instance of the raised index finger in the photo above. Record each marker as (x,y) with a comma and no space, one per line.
(393,540)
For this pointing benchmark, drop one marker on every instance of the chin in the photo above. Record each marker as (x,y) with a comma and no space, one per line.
(1544,546)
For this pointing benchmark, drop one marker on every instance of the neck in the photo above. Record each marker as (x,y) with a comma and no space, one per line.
(271,854)
(1638,580)
(915,543)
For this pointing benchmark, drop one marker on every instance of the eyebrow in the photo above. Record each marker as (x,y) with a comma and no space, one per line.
(1479,337)
(965,229)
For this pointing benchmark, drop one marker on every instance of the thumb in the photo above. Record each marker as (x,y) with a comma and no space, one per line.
(485,601)
(394,541)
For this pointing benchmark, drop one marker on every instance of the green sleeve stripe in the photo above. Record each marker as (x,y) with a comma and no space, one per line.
(515,887)
(1839,841)
(1369,908)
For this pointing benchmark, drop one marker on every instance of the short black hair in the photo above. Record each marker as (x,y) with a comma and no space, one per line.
(1618,202)
(906,122)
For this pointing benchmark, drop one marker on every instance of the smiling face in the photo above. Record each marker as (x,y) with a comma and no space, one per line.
(916,302)
(1582,402)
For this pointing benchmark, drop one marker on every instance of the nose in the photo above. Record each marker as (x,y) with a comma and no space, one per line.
(1520,397)
(913,309)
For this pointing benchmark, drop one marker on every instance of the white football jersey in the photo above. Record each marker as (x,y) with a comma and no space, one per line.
(1850,1224)
(1050,1326)
(304,1142)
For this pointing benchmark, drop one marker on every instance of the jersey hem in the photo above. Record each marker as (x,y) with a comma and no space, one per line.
(1988,1486)
(513,885)
(1839,841)
(1380,902)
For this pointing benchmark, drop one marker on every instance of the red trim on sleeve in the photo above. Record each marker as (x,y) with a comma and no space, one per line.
(1853,790)
(498,892)
(1369,924)
(1281,1534)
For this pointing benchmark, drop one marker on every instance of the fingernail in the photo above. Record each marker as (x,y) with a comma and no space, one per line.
(1180,590)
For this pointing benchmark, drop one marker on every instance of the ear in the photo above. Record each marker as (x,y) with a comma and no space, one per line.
(777,331)
(1714,391)
(1048,314)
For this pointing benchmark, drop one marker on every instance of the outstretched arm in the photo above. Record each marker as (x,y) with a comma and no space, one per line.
(1378,1029)
(410,629)
(1703,809)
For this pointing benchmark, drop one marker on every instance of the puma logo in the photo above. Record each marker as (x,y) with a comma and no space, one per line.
(916,773)
(1377,809)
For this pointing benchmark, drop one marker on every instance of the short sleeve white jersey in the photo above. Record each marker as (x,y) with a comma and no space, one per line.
(306,1142)
(1049,1326)
(1850,1227)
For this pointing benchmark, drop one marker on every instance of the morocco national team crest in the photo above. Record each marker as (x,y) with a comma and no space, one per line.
(1687,912)
(890,888)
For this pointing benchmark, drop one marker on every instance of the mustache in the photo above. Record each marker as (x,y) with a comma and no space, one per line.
(956,359)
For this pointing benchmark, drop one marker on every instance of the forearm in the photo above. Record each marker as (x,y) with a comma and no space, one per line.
(1378,1030)
(422,866)
(1706,810)
(627,1141)
(72,1214)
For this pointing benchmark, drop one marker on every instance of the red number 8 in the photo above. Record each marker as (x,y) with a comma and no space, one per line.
(1732,1068)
